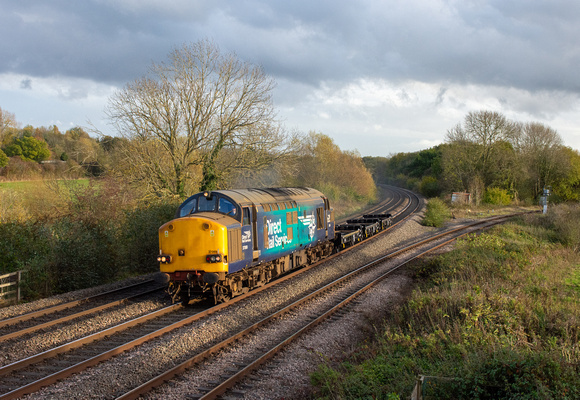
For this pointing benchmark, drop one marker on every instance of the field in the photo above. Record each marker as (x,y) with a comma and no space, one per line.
(30,186)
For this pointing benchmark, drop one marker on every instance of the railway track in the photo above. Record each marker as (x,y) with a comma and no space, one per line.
(24,324)
(203,340)
(32,373)
(240,355)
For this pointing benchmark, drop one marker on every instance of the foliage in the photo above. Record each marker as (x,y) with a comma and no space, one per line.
(139,234)
(496,318)
(568,187)
(28,148)
(3,159)
(405,168)
(429,186)
(96,233)
(497,196)
(487,150)
(69,155)
(540,152)
(341,175)
(436,214)
(562,220)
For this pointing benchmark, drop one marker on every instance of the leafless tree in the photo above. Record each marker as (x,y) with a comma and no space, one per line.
(480,152)
(541,154)
(8,126)
(196,118)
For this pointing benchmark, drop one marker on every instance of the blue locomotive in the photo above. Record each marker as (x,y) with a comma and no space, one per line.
(224,243)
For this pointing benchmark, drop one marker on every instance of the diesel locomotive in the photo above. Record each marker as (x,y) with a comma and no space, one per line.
(223,243)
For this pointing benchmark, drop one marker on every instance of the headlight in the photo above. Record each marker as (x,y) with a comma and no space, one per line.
(164,258)
(213,258)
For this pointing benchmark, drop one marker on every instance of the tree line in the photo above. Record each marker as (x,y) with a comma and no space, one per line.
(201,120)
(493,158)
(204,120)
(41,152)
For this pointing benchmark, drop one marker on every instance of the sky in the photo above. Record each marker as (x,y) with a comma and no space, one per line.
(377,76)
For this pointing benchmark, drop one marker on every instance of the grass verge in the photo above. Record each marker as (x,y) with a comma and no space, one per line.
(496,318)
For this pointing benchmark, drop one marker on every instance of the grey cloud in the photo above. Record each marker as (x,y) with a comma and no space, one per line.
(26,84)
(515,43)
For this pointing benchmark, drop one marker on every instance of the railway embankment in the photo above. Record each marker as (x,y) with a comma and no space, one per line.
(498,316)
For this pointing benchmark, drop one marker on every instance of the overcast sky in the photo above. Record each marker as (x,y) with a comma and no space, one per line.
(378,76)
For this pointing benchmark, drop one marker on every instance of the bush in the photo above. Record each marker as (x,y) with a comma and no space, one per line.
(437,213)
(563,220)
(3,159)
(97,233)
(429,187)
(139,235)
(29,149)
(497,196)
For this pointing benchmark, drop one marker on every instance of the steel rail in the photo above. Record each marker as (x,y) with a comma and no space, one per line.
(148,386)
(74,316)
(231,381)
(63,306)
(222,388)
(85,340)
(383,205)
(34,386)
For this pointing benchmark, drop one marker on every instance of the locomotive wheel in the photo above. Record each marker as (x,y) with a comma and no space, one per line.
(185,299)
(221,294)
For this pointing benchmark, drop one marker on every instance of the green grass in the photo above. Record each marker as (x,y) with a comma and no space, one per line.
(496,318)
(36,200)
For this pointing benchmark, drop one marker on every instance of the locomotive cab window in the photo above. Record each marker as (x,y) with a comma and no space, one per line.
(187,207)
(246,220)
(226,207)
(206,204)
(319,218)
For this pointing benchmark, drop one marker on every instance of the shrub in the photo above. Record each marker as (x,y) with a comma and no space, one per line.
(497,196)
(429,186)
(95,234)
(3,159)
(496,318)
(563,219)
(139,235)
(437,213)
(29,149)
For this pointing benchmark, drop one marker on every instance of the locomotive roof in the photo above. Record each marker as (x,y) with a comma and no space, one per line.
(271,195)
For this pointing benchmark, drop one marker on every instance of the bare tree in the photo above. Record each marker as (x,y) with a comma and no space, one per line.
(480,152)
(8,126)
(541,154)
(182,119)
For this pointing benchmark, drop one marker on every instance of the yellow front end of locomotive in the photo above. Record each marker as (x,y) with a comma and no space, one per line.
(193,243)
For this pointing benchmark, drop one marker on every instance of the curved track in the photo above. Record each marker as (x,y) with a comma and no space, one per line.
(30,374)
(205,336)
(255,344)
